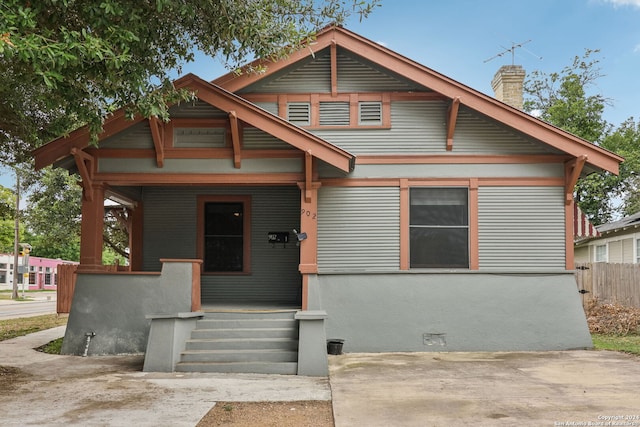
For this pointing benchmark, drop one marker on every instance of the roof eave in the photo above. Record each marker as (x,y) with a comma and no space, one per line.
(597,157)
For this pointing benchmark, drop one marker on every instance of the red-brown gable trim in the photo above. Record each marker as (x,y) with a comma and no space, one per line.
(224,100)
(489,106)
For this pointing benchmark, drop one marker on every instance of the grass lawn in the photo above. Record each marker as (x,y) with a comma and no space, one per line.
(12,328)
(627,344)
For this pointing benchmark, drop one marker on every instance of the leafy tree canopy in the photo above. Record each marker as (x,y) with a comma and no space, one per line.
(53,216)
(567,100)
(562,99)
(7,204)
(71,62)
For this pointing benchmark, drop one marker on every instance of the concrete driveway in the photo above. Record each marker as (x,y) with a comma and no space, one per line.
(486,389)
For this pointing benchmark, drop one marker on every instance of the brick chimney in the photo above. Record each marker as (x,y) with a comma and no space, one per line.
(508,85)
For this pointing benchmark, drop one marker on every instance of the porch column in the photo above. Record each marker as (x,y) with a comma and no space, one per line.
(92,227)
(135,237)
(309,226)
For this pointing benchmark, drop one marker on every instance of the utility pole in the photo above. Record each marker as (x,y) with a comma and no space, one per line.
(16,237)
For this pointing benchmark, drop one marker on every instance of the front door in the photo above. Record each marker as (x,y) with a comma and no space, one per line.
(241,262)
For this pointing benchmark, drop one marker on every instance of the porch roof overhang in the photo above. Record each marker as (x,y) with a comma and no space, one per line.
(222,99)
(597,158)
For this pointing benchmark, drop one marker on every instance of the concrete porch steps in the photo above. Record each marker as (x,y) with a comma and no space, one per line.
(264,342)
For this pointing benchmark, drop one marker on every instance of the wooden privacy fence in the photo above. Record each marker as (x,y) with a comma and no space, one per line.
(66,286)
(609,283)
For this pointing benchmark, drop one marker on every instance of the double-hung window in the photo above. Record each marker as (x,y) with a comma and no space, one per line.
(439,227)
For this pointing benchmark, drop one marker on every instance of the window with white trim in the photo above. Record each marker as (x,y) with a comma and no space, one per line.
(439,227)
(637,251)
(601,253)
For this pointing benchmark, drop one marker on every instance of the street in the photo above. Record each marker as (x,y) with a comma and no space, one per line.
(42,303)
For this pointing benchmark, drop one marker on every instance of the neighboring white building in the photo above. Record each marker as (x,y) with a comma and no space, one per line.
(618,242)
(43,272)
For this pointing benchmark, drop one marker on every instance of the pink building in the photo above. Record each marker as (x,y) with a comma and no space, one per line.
(43,272)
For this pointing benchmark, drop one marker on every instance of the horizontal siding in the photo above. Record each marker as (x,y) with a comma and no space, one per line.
(521,228)
(255,139)
(311,75)
(137,136)
(627,250)
(355,74)
(477,134)
(417,127)
(615,253)
(358,229)
(271,107)
(187,166)
(197,109)
(170,230)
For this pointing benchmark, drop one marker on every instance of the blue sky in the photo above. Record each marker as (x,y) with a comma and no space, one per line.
(456,37)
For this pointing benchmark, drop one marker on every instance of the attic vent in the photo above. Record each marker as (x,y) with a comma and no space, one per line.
(370,113)
(299,113)
(334,114)
(199,137)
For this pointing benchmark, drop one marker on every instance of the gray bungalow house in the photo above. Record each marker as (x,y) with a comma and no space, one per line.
(347,193)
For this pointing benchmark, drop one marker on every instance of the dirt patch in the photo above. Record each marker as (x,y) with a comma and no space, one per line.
(314,413)
(10,377)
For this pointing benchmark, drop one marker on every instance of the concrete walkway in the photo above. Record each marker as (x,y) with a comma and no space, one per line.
(112,391)
(390,389)
(486,389)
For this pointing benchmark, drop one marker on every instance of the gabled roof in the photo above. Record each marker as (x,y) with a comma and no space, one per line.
(223,100)
(597,157)
(629,222)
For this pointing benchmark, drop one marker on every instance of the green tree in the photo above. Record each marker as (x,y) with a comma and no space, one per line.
(563,99)
(567,100)
(7,234)
(7,203)
(625,141)
(53,215)
(70,62)
(7,215)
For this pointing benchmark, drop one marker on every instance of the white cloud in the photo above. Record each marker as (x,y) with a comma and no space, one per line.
(381,43)
(616,3)
(636,49)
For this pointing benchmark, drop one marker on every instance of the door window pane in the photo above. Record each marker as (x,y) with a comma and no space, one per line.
(224,236)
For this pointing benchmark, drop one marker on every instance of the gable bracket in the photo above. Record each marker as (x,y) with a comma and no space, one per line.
(573,169)
(157,133)
(84,163)
(452,114)
(308,175)
(235,138)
